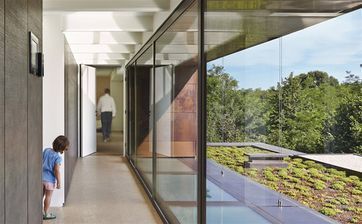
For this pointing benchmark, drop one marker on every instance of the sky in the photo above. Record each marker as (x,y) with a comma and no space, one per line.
(333,46)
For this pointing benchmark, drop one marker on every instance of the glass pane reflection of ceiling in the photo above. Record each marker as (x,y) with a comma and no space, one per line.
(234,25)
(180,41)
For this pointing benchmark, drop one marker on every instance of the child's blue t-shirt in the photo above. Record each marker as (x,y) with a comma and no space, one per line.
(50,158)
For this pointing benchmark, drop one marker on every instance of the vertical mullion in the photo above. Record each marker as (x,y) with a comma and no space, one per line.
(127,80)
(201,196)
(135,116)
(154,127)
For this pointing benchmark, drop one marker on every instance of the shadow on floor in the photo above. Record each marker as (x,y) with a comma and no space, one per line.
(105,191)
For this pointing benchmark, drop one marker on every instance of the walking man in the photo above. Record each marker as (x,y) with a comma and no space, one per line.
(107,108)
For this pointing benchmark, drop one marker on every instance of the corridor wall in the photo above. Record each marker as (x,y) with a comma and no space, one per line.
(20,114)
(71,83)
(61,100)
(53,90)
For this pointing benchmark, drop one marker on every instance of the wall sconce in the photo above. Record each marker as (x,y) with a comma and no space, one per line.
(35,56)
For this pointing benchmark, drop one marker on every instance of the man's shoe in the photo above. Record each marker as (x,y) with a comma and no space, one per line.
(48,216)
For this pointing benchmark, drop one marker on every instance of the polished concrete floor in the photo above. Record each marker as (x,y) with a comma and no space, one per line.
(114,146)
(104,191)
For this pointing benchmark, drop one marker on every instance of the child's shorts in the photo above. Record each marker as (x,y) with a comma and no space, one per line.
(49,186)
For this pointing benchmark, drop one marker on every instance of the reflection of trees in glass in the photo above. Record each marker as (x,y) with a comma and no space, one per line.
(310,112)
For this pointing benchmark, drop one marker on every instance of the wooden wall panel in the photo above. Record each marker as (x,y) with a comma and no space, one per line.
(35,192)
(16,67)
(2,108)
(185,101)
(184,111)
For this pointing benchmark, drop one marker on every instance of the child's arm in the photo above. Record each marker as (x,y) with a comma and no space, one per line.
(57,174)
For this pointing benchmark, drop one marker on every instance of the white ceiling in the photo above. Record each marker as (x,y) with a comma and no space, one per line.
(108,32)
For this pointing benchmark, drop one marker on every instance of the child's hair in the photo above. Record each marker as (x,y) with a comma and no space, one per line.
(61,143)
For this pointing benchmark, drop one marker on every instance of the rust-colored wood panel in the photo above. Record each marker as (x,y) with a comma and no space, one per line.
(185,101)
(193,79)
(144,148)
(184,149)
(16,102)
(184,127)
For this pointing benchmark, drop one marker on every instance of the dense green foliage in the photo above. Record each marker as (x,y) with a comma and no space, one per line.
(326,190)
(310,112)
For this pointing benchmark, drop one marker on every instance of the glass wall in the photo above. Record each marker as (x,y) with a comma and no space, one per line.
(281,80)
(283,92)
(163,110)
(176,74)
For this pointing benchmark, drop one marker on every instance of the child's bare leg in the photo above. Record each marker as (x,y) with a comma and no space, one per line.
(47,200)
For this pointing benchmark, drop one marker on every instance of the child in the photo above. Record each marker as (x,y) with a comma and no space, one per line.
(51,171)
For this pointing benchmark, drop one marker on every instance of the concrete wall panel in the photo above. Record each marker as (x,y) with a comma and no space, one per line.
(16,67)
(2,108)
(20,114)
(35,124)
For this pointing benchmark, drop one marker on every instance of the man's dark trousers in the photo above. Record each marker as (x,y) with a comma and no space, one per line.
(106,119)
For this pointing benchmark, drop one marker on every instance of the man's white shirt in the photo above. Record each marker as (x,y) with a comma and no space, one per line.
(106,104)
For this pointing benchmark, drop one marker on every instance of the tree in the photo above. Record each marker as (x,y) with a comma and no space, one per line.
(311,112)
(256,114)
(223,106)
(347,130)
(352,78)
(301,109)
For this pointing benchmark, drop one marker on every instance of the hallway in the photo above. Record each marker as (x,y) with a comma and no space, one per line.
(104,191)
(115,146)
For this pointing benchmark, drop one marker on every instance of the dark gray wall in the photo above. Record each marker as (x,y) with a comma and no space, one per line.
(71,116)
(2,112)
(16,106)
(35,118)
(20,114)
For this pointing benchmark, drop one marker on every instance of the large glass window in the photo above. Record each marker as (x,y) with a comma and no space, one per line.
(283,100)
(176,74)
(163,111)
(278,94)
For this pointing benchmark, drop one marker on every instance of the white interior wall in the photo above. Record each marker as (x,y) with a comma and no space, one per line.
(53,90)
